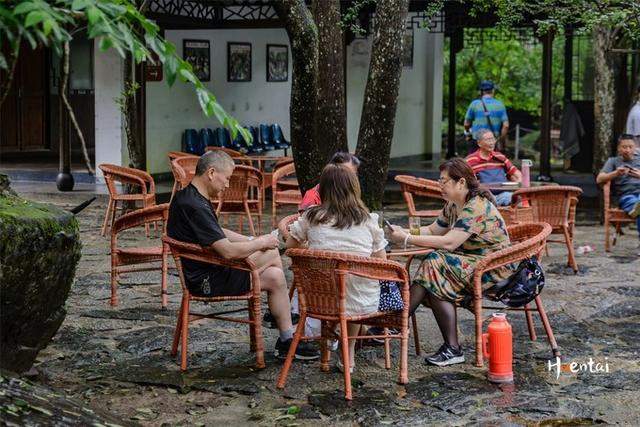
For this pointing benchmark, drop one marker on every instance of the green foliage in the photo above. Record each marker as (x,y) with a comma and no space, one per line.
(553,15)
(116,24)
(513,66)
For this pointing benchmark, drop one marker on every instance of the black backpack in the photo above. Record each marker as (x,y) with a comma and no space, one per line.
(522,286)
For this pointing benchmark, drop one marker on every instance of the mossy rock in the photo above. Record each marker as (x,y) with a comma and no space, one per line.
(39,252)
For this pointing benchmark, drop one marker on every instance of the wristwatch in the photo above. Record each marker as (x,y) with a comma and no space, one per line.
(250,238)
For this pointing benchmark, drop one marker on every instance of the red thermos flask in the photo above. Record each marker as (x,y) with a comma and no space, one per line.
(497,346)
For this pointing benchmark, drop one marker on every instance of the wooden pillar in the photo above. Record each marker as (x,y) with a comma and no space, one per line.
(455,46)
(568,65)
(545,119)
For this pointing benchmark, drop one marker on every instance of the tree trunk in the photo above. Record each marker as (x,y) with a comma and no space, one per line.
(303,37)
(331,115)
(137,155)
(380,99)
(604,95)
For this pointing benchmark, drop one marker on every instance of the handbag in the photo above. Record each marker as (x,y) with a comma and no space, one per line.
(390,297)
(522,286)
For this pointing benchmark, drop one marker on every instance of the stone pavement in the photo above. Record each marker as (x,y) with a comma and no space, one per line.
(117,360)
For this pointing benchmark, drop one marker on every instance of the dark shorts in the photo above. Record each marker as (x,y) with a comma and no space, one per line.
(223,282)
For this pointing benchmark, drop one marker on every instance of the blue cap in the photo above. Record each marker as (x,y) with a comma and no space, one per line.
(486,85)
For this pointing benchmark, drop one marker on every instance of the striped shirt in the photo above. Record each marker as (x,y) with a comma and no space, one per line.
(497,168)
(478,117)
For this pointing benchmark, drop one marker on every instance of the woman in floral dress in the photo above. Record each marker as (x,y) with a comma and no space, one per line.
(468,228)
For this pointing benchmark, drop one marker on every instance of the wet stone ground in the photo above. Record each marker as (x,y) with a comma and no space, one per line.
(117,361)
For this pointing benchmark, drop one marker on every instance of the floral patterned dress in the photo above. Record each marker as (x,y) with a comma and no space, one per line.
(449,275)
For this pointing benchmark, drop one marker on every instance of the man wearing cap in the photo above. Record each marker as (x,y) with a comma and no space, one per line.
(486,113)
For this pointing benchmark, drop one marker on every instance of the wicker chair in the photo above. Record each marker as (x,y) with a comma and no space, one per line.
(182,250)
(183,169)
(172,155)
(122,258)
(516,214)
(112,175)
(320,278)
(280,194)
(555,205)
(285,223)
(528,239)
(412,186)
(243,197)
(612,216)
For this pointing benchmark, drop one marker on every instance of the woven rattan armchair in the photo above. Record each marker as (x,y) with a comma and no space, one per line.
(183,169)
(243,197)
(285,223)
(114,174)
(172,155)
(413,186)
(555,205)
(128,259)
(320,278)
(612,216)
(182,250)
(282,194)
(527,240)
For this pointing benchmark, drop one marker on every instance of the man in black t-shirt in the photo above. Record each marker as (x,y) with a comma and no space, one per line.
(192,219)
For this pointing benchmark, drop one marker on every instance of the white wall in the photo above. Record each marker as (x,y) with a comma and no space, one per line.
(171,110)
(108,76)
(420,94)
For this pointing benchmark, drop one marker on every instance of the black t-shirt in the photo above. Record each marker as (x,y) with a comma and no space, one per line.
(192,219)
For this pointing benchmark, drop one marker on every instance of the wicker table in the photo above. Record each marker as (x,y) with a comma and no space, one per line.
(410,253)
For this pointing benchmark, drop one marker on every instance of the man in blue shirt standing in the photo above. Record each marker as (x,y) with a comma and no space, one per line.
(486,113)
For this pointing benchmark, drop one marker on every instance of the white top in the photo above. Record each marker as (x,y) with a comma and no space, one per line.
(633,120)
(363,295)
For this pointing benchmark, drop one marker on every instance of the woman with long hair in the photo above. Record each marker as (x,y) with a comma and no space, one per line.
(343,223)
(468,228)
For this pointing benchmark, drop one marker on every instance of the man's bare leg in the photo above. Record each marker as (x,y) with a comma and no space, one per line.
(273,282)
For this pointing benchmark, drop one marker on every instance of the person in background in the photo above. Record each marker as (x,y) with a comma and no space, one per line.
(312,196)
(492,166)
(624,171)
(192,219)
(633,120)
(488,113)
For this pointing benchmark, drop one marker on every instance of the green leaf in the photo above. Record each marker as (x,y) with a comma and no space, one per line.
(34,18)
(47,26)
(25,7)
(187,75)
(79,4)
(94,15)
(292,410)
(105,43)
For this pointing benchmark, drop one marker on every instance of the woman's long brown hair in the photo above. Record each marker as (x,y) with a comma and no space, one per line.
(340,195)
(457,169)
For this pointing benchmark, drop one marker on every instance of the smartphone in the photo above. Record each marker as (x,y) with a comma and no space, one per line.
(387,224)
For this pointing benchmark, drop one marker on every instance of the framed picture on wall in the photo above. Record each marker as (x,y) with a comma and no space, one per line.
(238,62)
(198,54)
(277,62)
(407,45)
